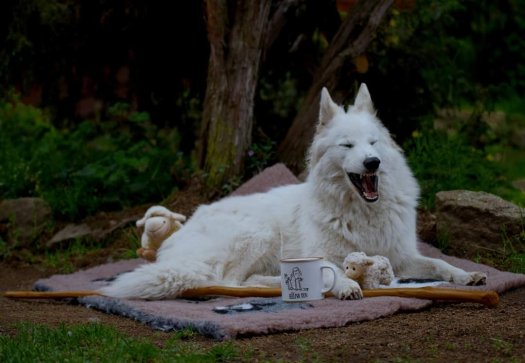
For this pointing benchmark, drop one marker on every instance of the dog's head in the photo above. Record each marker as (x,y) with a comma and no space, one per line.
(351,143)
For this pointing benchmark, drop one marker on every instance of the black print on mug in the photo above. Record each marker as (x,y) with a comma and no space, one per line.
(293,281)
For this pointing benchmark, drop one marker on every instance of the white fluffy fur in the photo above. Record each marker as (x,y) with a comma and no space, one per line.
(237,240)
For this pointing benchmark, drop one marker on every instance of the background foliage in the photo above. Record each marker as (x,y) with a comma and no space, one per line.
(118,162)
(101,101)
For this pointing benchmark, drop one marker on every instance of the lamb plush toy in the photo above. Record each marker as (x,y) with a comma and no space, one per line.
(369,271)
(159,223)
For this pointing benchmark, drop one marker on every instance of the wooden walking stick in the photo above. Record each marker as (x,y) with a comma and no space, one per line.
(488,298)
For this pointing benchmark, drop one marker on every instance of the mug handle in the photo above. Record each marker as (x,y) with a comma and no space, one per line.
(333,281)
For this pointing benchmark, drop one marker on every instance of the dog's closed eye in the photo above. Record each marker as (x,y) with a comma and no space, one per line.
(348,146)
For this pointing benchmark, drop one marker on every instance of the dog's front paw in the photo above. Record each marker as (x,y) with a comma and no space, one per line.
(348,290)
(471,279)
(477,278)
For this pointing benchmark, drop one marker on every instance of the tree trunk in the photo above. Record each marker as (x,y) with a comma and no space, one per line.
(236,34)
(353,37)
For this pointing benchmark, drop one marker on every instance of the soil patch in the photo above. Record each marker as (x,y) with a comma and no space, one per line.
(457,332)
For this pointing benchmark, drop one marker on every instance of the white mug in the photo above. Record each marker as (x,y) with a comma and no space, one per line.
(302,279)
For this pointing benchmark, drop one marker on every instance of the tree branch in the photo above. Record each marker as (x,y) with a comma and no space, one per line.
(352,39)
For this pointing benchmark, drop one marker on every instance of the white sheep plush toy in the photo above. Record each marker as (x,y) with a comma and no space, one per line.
(159,223)
(369,271)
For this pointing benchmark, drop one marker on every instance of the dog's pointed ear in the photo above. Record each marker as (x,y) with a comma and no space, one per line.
(363,101)
(327,108)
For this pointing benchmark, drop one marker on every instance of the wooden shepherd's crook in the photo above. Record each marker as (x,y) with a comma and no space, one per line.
(488,298)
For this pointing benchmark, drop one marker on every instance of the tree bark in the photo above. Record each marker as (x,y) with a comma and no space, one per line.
(353,37)
(236,35)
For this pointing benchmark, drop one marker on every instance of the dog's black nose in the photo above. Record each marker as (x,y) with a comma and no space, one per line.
(371,164)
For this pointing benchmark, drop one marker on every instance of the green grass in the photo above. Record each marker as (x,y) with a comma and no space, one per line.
(512,162)
(98,343)
(514,107)
(443,162)
(133,237)
(476,152)
(502,345)
(514,250)
(63,259)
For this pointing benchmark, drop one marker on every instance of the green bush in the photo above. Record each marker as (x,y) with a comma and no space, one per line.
(446,162)
(441,54)
(105,165)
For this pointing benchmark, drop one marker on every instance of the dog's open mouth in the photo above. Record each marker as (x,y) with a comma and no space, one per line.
(366,184)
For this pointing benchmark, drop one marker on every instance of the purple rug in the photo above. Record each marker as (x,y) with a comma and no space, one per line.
(226,318)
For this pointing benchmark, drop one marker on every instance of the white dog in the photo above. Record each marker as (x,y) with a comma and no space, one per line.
(359,195)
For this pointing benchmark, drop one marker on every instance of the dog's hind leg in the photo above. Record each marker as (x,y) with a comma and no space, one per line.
(426,267)
(158,281)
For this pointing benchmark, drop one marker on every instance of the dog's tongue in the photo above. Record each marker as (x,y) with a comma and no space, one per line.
(369,186)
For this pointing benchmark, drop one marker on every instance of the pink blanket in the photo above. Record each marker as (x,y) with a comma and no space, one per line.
(224,318)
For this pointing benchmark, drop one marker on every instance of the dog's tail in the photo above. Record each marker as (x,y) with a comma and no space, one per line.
(155,281)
